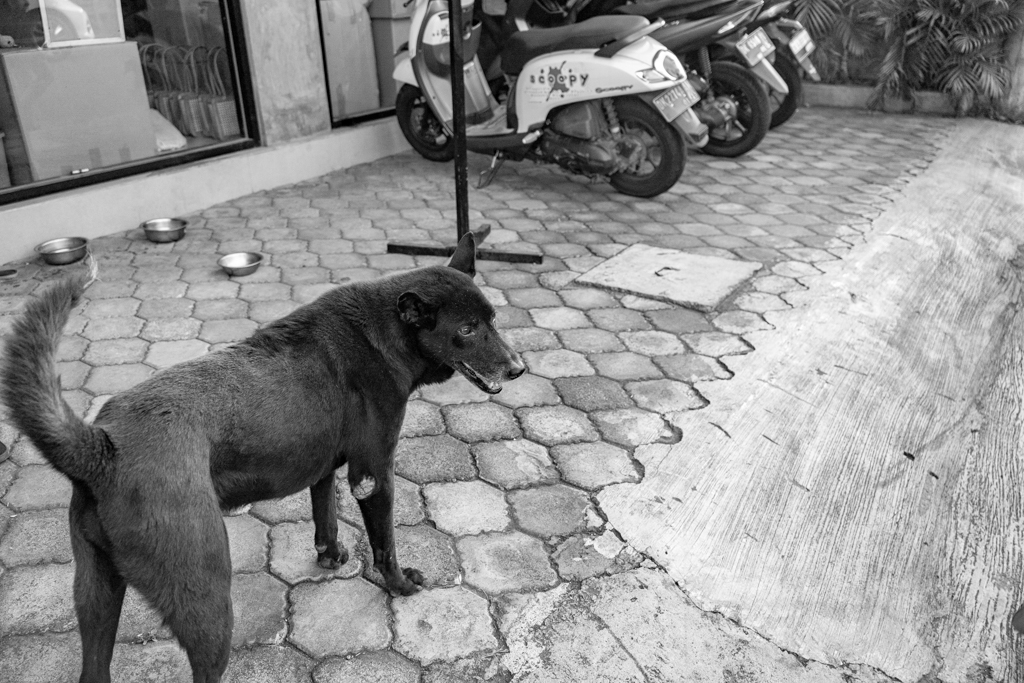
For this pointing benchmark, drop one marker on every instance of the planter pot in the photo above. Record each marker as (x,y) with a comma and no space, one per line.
(857,96)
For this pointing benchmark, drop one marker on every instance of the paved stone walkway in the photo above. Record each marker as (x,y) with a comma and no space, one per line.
(496,503)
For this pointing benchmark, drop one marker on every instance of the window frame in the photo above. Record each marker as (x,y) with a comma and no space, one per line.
(234,34)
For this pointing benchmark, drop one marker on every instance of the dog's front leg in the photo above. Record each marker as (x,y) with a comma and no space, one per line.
(329,554)
(379,520)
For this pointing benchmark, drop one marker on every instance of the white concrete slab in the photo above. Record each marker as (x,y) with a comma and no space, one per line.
(690,280)
(853,493)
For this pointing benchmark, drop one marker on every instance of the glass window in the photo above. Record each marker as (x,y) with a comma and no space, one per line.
(87,86)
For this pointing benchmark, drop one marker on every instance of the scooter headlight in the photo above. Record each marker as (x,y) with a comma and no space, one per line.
(665,67)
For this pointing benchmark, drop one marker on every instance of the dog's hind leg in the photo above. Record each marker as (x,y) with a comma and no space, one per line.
(203,625)
(329,553)
(186,575)
(99,588)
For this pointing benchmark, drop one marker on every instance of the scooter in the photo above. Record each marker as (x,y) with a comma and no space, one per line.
(600,98)
(793,56)
(730,68)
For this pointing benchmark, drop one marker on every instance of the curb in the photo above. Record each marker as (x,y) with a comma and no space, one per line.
(857,96)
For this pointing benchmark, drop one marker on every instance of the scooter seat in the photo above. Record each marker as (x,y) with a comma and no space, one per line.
(590,34)
(676,9)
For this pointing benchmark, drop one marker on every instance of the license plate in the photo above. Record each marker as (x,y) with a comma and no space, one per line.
(756,46)
(676,100)
(801,44)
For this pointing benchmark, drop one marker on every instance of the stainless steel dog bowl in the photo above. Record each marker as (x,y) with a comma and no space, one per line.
(63,250)
(165,229)
(240,263)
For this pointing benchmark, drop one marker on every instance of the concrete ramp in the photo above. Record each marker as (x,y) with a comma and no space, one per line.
(856,492)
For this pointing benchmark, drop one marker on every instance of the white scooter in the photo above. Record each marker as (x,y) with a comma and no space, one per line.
(599,98)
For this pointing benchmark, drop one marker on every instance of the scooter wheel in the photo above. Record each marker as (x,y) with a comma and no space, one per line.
(784,106)
(420,127)
(753,113)
(665,152)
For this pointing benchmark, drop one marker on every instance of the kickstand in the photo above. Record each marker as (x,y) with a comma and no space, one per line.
(487,176)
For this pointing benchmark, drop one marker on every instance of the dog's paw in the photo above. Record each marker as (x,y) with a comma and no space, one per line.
(329,560)
(410,582)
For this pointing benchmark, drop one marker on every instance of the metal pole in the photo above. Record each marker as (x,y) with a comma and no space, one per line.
(458,80)
(458,119)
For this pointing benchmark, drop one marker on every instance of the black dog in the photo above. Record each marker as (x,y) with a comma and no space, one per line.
(324,386)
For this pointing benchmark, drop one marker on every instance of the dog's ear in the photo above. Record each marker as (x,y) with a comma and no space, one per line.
(464,258)
(416,311)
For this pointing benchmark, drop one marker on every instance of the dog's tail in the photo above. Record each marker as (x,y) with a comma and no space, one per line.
(30,387)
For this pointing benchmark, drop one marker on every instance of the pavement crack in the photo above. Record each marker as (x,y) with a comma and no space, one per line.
(786,391)
(618,641)
(846,668)
(856,372)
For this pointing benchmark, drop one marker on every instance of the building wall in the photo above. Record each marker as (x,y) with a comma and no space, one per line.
(287,67)
(283,41)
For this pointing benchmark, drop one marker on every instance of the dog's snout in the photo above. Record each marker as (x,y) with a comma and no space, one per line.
(516,366)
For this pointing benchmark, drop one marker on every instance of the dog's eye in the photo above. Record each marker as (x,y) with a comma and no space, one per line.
(467,330)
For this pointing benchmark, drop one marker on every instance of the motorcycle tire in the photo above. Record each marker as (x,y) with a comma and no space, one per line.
(666,152)
(420,126)
(753,113)
(784,106)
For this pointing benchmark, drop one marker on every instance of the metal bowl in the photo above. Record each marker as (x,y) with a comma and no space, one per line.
(165,229)
(64,250)
(240,263)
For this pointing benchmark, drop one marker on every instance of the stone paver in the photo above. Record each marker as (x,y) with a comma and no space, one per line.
(36,598)
(631,427)
(528,390)
(552,425)
(443,624)
(249,543)
(593,466)
(293,556)
(434,458)
(368,667)
(593,393)
(358,617)
(37,537)
(501,563)
(116,378)
(582,557)
(161,660)
(466,507)
(480,422)
(422,419)
(551,510)
(38,487)
(515,464)
(494,494)
(164,354)
(275,664)
(260,602)
(430,551)
(558,363)
(665,396)
(50,658)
